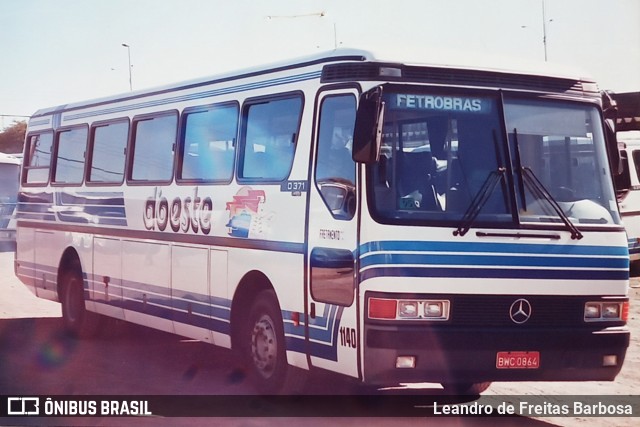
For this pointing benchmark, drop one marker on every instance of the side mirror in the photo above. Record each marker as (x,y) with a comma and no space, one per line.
(367,133)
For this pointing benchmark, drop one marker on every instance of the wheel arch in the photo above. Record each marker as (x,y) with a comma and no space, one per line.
(251,284)
(70,259)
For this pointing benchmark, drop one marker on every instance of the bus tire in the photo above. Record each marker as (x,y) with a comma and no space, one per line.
(465,389)
(266,357)
(78,322)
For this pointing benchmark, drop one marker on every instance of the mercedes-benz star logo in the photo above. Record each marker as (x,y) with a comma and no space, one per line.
(520,311)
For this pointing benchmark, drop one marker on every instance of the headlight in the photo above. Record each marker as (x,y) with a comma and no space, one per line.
(434,309)
(592,310)
(603,311)
(408,309)
(611,311)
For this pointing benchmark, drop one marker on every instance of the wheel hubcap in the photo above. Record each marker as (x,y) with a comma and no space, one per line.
(264,346)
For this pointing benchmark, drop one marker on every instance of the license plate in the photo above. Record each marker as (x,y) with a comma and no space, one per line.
(518,360)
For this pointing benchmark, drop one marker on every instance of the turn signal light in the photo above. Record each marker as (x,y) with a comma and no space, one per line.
(403,309)
(382,308)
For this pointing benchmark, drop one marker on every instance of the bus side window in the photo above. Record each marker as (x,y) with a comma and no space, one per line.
(38,159)
(270,134)
(108,145)
(335,170)
(208,145)
(153,148)
(70,156)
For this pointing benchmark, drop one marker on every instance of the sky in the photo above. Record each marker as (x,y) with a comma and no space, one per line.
(61,51)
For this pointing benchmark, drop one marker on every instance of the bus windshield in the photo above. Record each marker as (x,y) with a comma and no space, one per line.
(445,154)
(9,180)
(561,145)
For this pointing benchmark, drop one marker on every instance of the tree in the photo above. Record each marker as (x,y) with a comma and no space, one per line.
(12,137)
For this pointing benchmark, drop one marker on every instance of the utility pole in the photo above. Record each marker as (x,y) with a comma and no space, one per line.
(544,31)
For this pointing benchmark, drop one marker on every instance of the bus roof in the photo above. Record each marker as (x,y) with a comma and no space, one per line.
(423,57)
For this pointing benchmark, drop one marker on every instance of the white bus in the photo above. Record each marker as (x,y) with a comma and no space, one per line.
(627,183)
(386,218)
(628,191)
(9,184)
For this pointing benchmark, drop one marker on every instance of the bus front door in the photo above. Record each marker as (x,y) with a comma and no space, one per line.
(332,332)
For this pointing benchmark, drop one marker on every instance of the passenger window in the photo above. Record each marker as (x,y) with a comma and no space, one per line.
(38,158)
(108,152)
(70,155)
(336,171)
(209,144)
(270,134)
(153,148)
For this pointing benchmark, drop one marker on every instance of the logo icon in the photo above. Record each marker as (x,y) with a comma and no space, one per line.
(23,406)
(520,311)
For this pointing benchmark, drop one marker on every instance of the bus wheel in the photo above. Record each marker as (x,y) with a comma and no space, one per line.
(78,322)
(465,389)
(266,355)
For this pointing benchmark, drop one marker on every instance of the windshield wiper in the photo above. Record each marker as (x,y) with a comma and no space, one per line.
(540,192)
(479,201)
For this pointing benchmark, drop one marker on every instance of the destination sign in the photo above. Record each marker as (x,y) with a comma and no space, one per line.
(463,104)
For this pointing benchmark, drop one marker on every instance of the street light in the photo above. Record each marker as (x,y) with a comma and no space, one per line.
(306,15)
(544,31)
(545,21)
(129,53)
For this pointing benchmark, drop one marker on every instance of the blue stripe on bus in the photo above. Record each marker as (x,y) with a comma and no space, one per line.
(200,95)
(323,333)
(493,260)
(39,122)
(35,206)
(100,208)
(493,273)
(507,248)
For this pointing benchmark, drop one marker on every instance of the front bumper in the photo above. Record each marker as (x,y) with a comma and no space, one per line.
(469,354)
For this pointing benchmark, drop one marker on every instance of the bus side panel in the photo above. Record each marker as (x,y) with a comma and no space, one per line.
(191,304)
(25,257)
(146,269)
(220,299)
(46,264)
(106,283)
